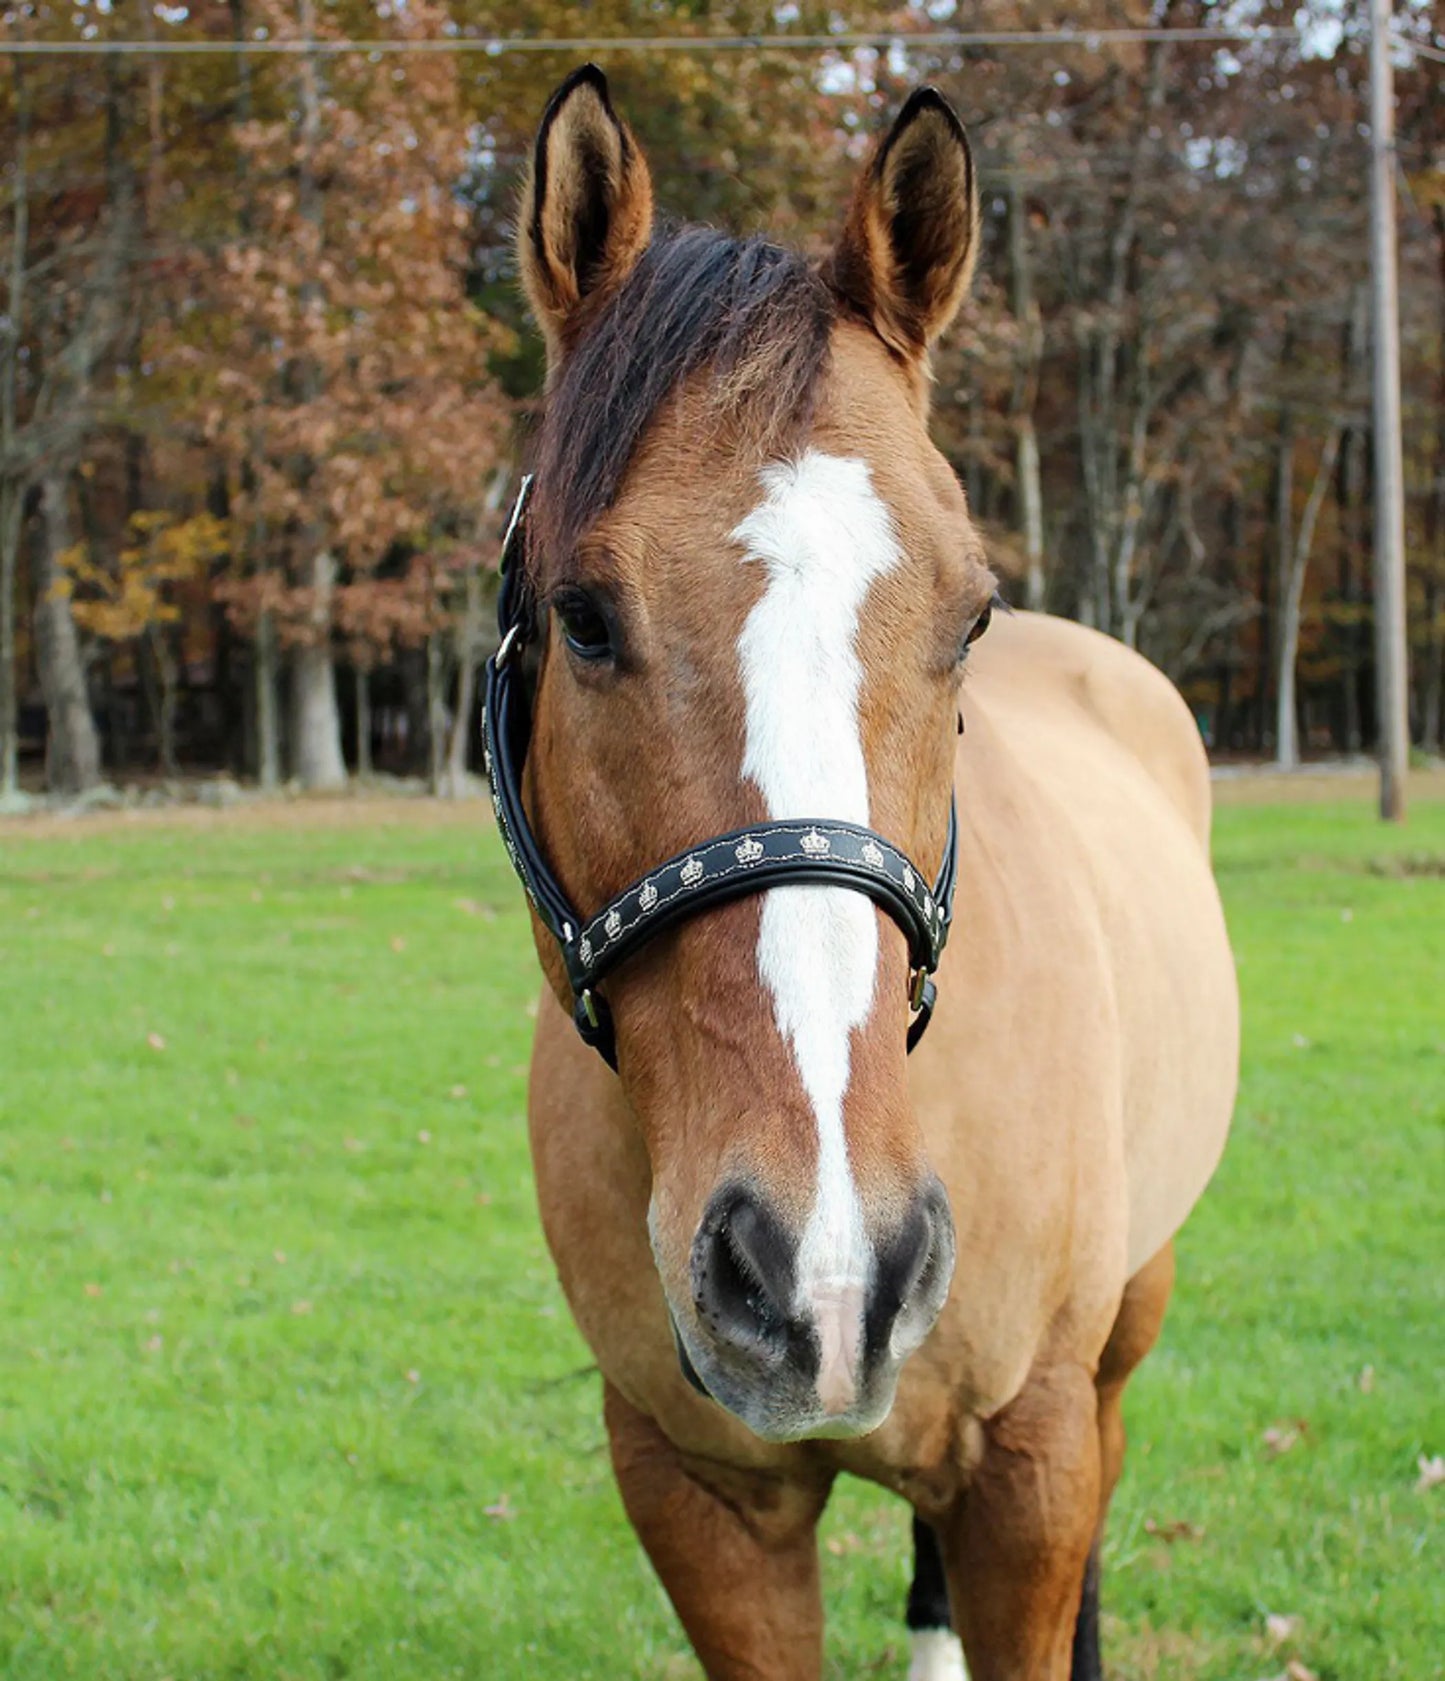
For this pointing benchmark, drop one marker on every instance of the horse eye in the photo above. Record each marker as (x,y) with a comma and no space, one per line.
(583,625)
(979,626)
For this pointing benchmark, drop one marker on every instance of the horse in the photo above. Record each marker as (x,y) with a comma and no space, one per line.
(744,611)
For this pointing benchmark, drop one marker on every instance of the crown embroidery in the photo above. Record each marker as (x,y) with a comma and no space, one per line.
(692,871)
(647,898)
(613,924)
(748,850)
(584,950)
(873,855)
(816,845)
(909,879)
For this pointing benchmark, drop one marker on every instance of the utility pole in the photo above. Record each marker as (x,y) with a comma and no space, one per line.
(1391,648)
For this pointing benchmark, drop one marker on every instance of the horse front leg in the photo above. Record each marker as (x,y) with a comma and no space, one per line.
(1136,1329)
(736,1551)
(1016,1546)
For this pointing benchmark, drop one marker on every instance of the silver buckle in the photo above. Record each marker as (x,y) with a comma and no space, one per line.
(508,646)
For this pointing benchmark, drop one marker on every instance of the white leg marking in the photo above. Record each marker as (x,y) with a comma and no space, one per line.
(824,535)
(937,1656)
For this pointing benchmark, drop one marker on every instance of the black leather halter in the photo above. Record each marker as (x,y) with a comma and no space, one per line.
(729,866)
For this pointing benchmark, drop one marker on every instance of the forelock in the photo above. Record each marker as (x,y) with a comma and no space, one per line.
(755,320)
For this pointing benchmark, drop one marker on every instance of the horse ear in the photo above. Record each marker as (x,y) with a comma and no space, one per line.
(586,210)
(908,246)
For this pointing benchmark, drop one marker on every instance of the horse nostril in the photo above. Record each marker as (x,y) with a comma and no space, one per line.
(742,1272)
(913,1275)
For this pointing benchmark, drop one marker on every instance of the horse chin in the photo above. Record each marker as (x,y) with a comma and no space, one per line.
(785,1410)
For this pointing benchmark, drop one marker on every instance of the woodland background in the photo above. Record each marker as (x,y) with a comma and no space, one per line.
(264,369)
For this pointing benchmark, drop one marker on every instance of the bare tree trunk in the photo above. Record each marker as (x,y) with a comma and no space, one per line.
(468,641)
(268,713)
(1353,538)
(12,486)
(469,649)
(1292,582)
(1432,667)
(1026,386)
(315,716)
(363,722)
(436,711)
(164,700)
(72,753)
(1286,749)
(11,506)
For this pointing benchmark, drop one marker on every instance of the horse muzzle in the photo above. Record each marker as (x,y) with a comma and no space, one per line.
(794,1352)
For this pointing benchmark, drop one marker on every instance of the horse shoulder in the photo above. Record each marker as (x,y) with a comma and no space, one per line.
(1099,679)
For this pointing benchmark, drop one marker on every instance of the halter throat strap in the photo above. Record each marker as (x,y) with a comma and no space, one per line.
(735,865)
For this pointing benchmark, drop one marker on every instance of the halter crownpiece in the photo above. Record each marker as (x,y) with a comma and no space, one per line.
(743,862)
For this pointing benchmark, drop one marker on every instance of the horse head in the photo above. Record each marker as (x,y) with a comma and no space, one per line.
(755,581)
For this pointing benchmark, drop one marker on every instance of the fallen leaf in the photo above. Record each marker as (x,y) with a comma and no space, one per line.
(398,943)
(1366,1379)
(1280,1628)
(1432,1472)
(154,1344)
(423,1137)
(1178,1529)
(1294,1670)
(244,1121)
(354,1144)
(413,1376)
(502,1510)
(279,1257)
(93,1290)
(458,1092)
(1281,1437)
(300,1308)
(472,908)
(155,1041)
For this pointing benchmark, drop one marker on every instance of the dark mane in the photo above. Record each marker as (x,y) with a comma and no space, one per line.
(758,316)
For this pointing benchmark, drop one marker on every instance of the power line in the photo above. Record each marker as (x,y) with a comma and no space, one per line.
(496,46)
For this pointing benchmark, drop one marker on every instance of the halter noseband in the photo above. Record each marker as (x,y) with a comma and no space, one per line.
(729,866)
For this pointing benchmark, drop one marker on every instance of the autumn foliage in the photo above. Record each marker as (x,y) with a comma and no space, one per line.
(264,371)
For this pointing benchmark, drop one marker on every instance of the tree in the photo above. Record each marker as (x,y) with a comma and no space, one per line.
(138,602)
(341,371)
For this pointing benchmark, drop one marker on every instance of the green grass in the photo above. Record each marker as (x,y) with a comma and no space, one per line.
(287,1388)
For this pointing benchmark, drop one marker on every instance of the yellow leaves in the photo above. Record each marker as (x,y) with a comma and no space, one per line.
(120,600)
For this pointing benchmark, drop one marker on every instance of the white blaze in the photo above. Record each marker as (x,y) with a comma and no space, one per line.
(823,535)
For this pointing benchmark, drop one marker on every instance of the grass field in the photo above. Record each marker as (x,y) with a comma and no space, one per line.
(287,1388)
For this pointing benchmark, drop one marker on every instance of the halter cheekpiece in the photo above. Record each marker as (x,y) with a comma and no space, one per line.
(729,866)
